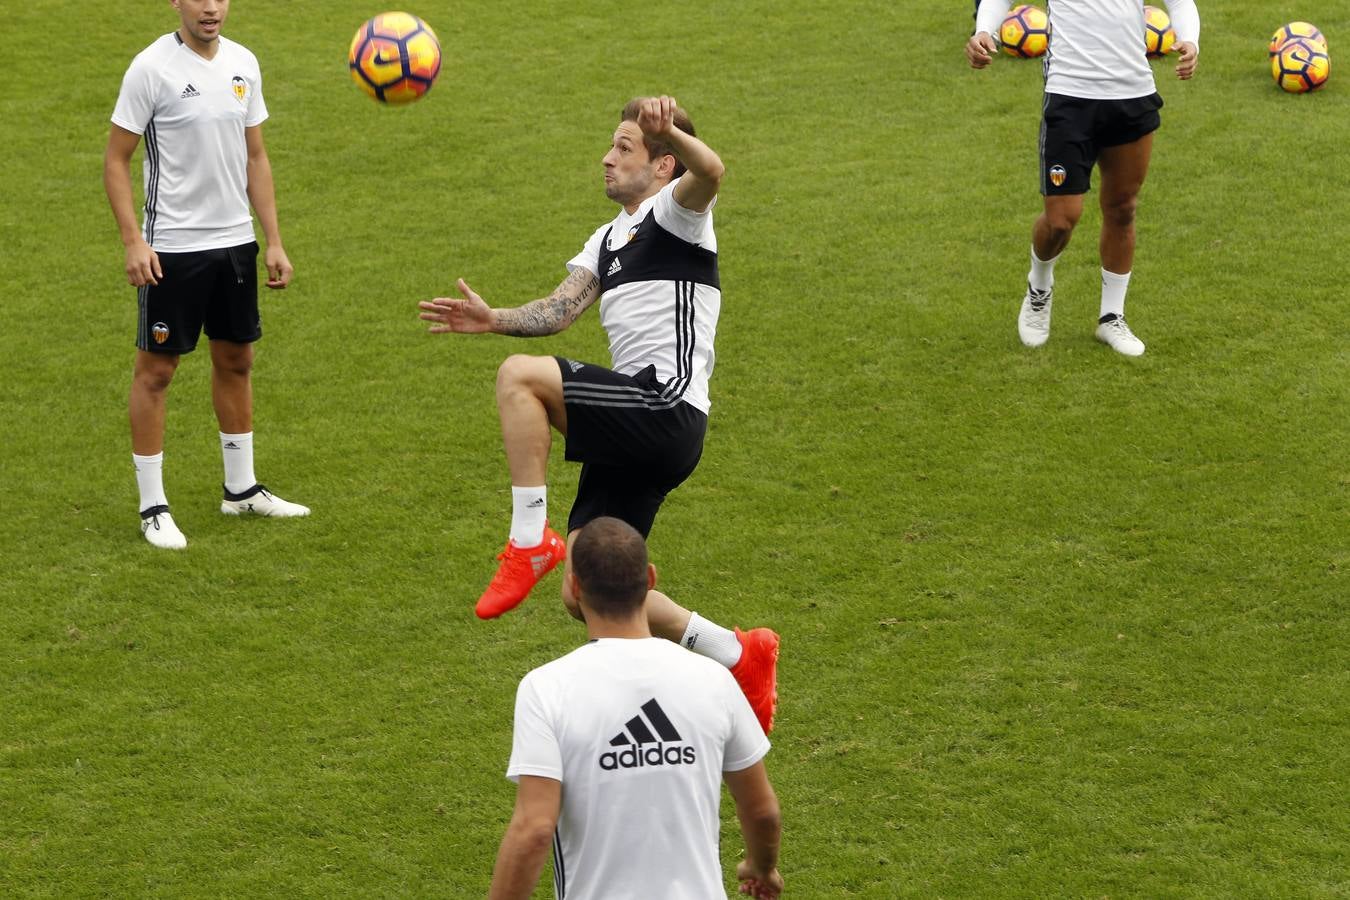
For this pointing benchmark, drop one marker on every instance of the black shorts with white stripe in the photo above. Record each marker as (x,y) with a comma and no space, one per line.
(212,289)
(635,441)
(1074,131)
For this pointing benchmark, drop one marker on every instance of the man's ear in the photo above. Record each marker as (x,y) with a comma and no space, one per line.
(651,577)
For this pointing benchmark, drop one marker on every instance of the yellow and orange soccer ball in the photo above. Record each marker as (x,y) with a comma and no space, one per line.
(1025,31)
(1299,61)
(395,58)
(1159,36)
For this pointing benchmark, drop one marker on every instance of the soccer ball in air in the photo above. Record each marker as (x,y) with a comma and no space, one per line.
(1292,30)
(1025,31)
(1301,65)
(1159,35)
(395,57)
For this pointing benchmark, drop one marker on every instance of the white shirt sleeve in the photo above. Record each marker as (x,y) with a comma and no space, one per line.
(686,224)
(257,108)
(534,743)
(747,743)
(990,17)
(589,257)
(1185,20)
(136,101)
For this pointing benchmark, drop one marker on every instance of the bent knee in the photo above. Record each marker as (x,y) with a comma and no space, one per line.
(519,369)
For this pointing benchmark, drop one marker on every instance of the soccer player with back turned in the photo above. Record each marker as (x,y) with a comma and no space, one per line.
(1101,107)
(620,749)
(196,99)
(638,427)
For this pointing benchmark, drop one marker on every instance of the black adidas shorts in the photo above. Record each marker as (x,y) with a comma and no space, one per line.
(1074,131)
(635,444)
(212,289)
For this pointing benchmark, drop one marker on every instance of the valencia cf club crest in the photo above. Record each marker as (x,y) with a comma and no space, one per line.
(160,332)
(240,87)
(1057,175)
(632,232)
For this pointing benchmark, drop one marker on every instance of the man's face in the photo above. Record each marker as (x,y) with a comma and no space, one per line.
(629,169)
(202,18)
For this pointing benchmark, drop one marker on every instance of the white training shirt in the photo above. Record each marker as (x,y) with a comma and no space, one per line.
(192,113)
(661,294)
(639,733)
(1097,46)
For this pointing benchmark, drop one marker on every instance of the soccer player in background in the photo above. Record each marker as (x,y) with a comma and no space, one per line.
(638,427)
(196,98)
(620,749)
(1101,107)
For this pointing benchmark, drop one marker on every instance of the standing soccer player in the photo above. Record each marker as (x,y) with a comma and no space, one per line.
(196,98)
(620,750)
(1101,108)
(637,428)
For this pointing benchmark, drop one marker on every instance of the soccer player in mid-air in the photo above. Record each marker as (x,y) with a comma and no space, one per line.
(637,427)
(1100,108)
(196,98)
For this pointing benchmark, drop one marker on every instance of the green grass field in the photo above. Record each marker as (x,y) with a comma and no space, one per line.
(1055,623)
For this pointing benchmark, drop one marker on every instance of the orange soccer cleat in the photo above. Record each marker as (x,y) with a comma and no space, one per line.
(757,673)
(520,571)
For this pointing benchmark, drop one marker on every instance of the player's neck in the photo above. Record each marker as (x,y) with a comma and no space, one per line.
(205,49)
(633,207)
(628,629)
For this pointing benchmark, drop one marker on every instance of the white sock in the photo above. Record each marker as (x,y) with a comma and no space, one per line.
(237,451)
(711,640)
(1042,274)
(529,514)
(150,479)
(1113,293)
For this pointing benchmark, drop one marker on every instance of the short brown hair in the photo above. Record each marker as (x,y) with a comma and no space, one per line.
(609,560)
(660,148)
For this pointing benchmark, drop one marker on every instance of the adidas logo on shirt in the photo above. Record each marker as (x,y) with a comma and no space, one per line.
(614,267)
(642,747)
(189,91)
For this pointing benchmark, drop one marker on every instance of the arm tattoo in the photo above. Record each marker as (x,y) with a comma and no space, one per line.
(553,313)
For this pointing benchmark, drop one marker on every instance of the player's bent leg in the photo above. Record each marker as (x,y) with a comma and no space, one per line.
(752,656)
(520,570)
(529,401)
(666,618)
(1049,236)
(757,673)
(1054,226)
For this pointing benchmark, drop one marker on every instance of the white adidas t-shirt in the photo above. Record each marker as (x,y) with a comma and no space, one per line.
(1097,46)
(192,113)
(639,733)
(667,317)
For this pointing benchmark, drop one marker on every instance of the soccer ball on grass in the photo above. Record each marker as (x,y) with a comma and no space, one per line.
(1301,65)
(1293,30)
(395,58)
